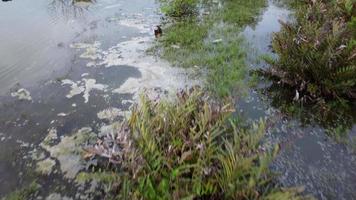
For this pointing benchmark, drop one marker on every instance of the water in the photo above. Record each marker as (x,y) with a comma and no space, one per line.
(78,59)
(61,64)
(309,157)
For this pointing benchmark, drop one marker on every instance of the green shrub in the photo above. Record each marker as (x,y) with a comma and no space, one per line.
(179,8)
(317,52)
(193,148)
(28,192)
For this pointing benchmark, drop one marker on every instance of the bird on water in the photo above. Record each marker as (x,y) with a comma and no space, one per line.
(158,32)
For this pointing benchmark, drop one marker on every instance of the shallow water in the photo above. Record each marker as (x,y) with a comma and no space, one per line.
(309,157)
(62,66)
(81,65)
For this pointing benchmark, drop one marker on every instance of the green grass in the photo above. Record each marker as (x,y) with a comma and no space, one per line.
(179,8)
(212,42)
(336,117)
(25,193)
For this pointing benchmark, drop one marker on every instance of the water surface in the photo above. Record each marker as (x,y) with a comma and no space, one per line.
(309,156)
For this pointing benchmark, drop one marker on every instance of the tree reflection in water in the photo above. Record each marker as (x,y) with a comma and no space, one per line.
(69,9)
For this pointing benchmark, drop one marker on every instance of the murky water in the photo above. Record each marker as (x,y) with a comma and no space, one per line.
(309,157)
(65,66)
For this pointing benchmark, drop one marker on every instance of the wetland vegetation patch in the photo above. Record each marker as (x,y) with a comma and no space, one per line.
(191,148)
(316,52)
(314,73)
(210,41)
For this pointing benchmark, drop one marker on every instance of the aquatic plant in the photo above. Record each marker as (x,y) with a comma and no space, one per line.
(27,192)
(316,52)
(179,8)
(211,42)
(191,148)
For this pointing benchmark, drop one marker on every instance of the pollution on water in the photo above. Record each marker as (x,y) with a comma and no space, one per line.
(177,99)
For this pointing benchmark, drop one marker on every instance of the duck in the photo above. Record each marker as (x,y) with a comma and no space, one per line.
(158,31)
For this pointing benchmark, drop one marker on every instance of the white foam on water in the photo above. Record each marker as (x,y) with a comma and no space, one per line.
(109,113)
(22,94)
(85,86)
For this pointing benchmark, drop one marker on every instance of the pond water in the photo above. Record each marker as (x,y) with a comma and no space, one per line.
(309,157)
(65,66)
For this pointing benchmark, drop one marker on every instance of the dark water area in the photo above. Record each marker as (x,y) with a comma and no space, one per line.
(47,83)
(310,156)
(35,36)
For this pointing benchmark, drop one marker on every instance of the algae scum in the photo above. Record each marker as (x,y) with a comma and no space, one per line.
(69,71)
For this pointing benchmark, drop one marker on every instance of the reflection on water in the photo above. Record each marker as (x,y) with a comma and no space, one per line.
(36,56)
(62,63)
(329,115)
(33,43)
(69,8)
(311,152)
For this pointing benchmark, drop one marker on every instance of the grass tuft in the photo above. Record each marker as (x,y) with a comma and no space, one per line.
(316,52)
(192,149)
(28,192)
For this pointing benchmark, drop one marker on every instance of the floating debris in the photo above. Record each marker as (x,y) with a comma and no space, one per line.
(114,145)
(62,114)
(91,52)
(56,196)
(68,151)
(85,74)
(84,86)
(136,23)
(153,71)
(113,6)
(129,53)
(109,113)
(75,89)
(217,41)
(22,94)
(22,143)
(90,84)
(127,101)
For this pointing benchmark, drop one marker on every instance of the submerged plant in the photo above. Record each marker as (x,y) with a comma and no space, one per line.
(191,149)
(317,52)
(28,192)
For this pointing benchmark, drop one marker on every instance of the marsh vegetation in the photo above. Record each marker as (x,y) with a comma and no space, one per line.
(197,144)
(316,52)
(191,148)
(210,40)
(195,147)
